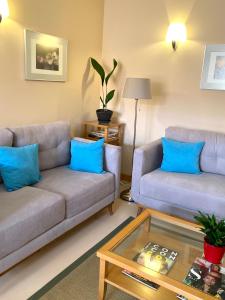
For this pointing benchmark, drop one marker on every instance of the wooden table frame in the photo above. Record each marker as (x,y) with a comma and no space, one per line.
(107,257)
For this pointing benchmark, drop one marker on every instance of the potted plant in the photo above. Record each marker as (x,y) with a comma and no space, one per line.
(214,241)
(104,115)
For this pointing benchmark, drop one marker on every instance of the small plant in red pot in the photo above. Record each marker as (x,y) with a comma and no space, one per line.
(214,242)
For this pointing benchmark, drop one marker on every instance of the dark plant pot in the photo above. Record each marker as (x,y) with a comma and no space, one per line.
(104,115)
(212,253)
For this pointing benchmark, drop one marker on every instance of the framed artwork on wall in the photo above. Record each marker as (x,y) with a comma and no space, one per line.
(213,71)
(45,57)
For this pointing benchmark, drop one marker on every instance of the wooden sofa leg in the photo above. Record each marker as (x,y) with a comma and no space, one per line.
(140,210)
(110,209)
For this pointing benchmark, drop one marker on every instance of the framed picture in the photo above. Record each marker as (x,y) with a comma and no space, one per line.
(45,57)
(213,71)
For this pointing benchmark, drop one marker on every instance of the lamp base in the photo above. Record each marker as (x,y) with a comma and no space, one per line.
(126,195)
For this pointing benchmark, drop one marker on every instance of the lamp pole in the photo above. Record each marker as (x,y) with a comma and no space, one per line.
(126,195)
(135,129)
(135,88)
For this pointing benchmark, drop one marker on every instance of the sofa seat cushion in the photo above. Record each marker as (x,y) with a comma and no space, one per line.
(26,214)
(205,192)
(81,190)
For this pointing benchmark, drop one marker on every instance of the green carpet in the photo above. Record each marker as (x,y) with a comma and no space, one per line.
(79,281)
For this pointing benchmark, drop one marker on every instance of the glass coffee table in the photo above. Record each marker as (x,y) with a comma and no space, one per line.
(180,236)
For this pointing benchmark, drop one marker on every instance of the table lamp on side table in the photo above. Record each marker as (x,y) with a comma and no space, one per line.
(136,88)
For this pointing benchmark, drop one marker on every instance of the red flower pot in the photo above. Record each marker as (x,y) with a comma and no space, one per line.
(212,253)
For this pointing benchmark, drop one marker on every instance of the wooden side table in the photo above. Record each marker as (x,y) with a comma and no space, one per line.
(111,132)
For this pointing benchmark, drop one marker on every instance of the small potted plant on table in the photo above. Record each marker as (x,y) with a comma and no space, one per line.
(214,242)
(104,115)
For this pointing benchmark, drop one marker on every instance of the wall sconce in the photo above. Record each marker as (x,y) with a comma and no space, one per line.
(4,9)
(176,33)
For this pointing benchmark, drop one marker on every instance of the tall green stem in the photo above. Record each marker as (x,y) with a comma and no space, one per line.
(103,96)
(106,93)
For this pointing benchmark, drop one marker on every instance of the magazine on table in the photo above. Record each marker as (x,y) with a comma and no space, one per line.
(100,133)
(207,277)
(156,258)
(142,280)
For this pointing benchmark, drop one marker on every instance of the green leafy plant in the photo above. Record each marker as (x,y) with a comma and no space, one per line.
(106,96)
(214,229)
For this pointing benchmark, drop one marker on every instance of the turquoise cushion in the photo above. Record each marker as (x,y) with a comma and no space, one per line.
(87,157)
(19,166)
(181,157)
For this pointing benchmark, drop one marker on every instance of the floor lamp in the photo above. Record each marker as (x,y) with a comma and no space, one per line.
(135,88)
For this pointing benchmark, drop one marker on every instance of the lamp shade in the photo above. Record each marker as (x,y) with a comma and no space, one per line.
(137,88)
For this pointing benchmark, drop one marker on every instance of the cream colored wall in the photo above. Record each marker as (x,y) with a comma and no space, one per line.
(25,102)
(134,33)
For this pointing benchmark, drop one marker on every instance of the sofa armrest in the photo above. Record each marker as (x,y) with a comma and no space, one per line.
(146,159)
(112,161)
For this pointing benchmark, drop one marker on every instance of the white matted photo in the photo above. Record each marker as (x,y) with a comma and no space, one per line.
(45,57)
(213,71)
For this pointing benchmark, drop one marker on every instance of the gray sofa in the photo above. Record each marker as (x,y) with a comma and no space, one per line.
(178,193)
(35,215)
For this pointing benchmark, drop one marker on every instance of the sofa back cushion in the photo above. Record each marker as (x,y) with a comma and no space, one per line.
(212,157)
(6,139)
(53,140)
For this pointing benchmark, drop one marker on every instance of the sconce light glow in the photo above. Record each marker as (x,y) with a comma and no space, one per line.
(176,33)
(4,9)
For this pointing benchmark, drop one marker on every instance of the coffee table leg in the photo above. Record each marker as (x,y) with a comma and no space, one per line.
(102,276)
(147,225)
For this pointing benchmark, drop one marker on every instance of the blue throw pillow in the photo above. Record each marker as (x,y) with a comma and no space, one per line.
(181,157)
(19,166)
(87,157)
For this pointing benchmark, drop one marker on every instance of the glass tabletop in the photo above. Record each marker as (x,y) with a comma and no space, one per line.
(162,247)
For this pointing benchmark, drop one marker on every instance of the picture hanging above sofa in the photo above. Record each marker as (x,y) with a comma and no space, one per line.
(45,57)
(213,71)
